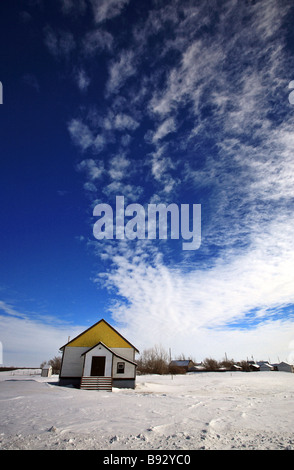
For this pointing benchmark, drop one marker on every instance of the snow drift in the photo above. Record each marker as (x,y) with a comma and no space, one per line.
(231,410)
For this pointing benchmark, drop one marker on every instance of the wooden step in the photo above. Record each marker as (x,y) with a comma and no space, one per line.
(96,383)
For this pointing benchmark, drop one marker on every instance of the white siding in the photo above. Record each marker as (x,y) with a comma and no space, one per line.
(72,364)
(128,353)
(129,372)
(98,351)
(76,365)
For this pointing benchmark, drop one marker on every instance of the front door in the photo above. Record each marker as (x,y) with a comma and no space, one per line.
(98,365)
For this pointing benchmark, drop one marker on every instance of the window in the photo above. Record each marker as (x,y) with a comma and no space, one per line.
(120,367)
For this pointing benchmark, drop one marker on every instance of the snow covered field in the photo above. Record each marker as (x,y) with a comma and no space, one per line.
(187,412)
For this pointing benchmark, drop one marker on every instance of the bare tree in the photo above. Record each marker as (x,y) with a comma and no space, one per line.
(153,361)
(55,363)
(210,364)
(227,363)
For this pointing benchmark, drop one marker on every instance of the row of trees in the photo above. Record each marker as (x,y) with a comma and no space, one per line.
(157,361)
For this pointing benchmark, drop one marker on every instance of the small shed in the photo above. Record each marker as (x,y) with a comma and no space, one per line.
(46,371)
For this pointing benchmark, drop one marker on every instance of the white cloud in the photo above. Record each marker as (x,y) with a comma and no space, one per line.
(233,62)
(73,7)
(186,82)
(96,41)
(89,186)
(82,79)
(119,167)
(120,70)
(160,167)
(107,9)
(179,308)
(60,43)
(81,134)
(93,168)
(9,310)
(28,339)
(130,192)
(123,121)
(165,128)
(220,88)
(27,343)
(84,137)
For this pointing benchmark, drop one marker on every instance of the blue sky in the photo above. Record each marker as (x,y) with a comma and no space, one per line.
(183,102)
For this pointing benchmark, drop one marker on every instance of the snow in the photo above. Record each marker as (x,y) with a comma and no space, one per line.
(227,410)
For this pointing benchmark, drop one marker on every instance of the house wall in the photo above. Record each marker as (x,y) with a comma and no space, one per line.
(72,362)
(98,351)
(124,383)
(128,353)
(130,369)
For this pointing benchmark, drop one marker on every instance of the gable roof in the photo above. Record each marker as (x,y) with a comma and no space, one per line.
(181,362)
(112,352)
(95,333)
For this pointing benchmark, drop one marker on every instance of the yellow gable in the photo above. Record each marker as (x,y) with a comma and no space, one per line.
(101,331)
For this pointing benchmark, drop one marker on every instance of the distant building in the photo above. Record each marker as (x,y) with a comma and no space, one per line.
(253,367)
(265,366)
(197,368)
(98,358)
(181,365)
(284,367)
(46,371)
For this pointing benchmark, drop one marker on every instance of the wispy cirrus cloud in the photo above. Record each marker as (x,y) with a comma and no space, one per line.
(93,168)
(10,310)
(73,7)
(120,70)
(241,292)
(197,99)
(107,9)
(119,166)
(60,44)
(82,79)
(84,137)
(95,41)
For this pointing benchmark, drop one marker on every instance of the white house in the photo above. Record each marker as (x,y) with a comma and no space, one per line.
(98,358)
